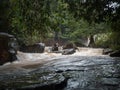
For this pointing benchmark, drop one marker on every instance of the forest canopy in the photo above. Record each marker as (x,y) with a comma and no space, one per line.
(38,20)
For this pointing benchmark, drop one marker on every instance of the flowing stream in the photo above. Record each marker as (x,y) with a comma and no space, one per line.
(87,69)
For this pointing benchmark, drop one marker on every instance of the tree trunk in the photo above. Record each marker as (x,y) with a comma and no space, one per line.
(91,41)
(56,36)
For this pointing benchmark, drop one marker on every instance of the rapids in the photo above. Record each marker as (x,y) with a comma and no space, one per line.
(87,69)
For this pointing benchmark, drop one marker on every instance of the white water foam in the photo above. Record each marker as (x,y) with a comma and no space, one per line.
(34,58)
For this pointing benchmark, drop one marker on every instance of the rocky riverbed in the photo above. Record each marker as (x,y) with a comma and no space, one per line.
(86,69)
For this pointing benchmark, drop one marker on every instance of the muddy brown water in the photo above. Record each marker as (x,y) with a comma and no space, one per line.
(87,69)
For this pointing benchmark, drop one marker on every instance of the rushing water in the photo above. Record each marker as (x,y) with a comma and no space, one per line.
(87,69)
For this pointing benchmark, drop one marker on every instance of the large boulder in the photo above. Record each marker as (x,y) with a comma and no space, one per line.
(8,48)
(35,48)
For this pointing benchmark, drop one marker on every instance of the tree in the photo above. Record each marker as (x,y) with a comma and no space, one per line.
(96,11)
(33,20)
(58,11)
(29,18)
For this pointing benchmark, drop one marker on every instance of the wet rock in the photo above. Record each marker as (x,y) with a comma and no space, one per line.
(115,54)
(8,48)
(69,48)
(42,80)
(52,86)
(55,47)
(107,51)
(111,81)
(68,51)
(36,48)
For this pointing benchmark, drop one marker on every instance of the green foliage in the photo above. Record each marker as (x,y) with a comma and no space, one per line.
(82,29)
(103,40)
(97,11)
(28,17)
(35,20)
(58,16)
(115,42)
